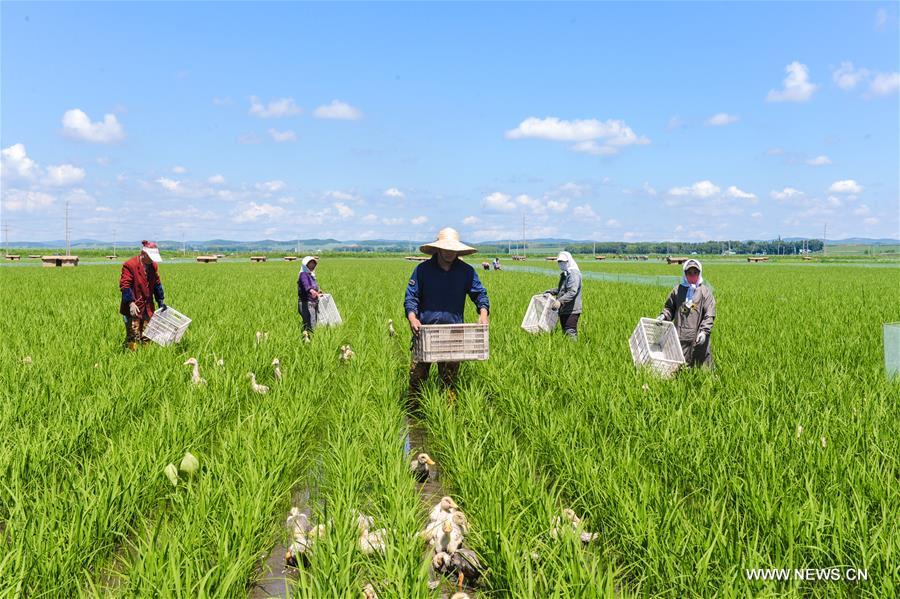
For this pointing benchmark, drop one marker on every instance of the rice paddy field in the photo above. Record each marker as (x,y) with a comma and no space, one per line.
(787,455)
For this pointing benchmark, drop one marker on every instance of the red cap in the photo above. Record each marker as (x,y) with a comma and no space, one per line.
(148,244)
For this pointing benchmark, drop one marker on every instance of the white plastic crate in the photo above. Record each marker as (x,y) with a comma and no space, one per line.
(654,344)
(328,314)
(451,343)
(540,316)
(167,326)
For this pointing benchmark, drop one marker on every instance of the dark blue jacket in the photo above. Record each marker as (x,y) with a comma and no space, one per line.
(437,296)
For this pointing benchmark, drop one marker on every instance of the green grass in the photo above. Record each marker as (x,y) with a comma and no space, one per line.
(689,482)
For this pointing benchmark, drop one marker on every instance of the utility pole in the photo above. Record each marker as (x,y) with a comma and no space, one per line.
(824,238)
(114,242)
(67,228)
(183,247)
(523,233)
(5,239)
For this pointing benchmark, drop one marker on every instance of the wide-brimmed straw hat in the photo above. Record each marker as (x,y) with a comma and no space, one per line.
(448,239)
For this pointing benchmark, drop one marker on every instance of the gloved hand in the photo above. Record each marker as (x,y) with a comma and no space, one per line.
(661,318)
(701,338)
(163,307)
(134,310)
(555,305)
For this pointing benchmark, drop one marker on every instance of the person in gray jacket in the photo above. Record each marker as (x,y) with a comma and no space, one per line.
(692,308)
(568,294)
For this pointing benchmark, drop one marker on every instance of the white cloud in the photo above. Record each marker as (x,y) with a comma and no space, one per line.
(15,163)
(572,189)
(862,210)
(341,196)
(629,235)
(222,101)
(338,110)
(169,184)
(722,118)
(370,218)
(419,220)
(786,194)
(734,192)
(881,18)
(585,133)
(884,84)
(674,123)
(529,202)
(78,125)
(64,174)
(103,161)
(392,222)
(613,223)
(256,211)
(819,161)
(845,186)
(584,211)
(279,107)
(393,192)
(270,186)
(592,147)
(871,221)
(700,189)
(797,87)
(19,200)
(216,180)
(648,189)
(248,139)
(180,170)
(557,205)
(756,215)
(847,76)
(498,202)
(834,201)
(470,220)
(775,152)
(282,136)
(343,210)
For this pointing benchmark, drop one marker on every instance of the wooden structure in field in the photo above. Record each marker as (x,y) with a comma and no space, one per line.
(34,256)
(59,261)
(676,259)
(111,257)
(289,258)
(519,258)
(757,258)
(258,258)
(207,259)
(416,258)
(13,257)
(599,257)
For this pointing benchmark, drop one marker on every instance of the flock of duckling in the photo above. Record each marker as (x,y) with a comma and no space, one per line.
(346,355)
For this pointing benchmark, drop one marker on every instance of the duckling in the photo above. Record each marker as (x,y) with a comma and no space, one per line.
(440,564)
(448,539)
(261,389)
(559,527)
(373,541)
(195,375)
(460,522)
(364,522)
(220,363)
(420,467)
(26,360)
(368,592)
(443,509)
(261,336)
(299,550)
(306,337)
(460,595)
(346,353)
(464,562)
(391,331)
(276,364)
(298,523)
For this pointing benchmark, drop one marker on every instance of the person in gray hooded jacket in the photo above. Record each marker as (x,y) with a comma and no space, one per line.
(568,294)
(692,308)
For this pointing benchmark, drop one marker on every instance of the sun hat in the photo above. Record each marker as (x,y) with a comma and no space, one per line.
(448,239)
(149,248)
(691,263)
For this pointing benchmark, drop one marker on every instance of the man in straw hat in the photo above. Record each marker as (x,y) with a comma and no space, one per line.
(436,294)
(139,284)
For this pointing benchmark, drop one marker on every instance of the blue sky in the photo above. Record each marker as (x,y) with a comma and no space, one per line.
(641,121)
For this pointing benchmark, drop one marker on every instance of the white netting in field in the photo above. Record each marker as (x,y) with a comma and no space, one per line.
(167,326)
(654,344)
(540,316)
(327,313)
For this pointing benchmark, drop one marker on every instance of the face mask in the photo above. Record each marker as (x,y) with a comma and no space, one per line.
(563,266)
(692,279)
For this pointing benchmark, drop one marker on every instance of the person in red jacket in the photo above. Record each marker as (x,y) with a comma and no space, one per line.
(140,284)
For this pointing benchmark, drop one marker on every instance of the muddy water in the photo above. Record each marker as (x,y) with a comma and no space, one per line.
(417,441)
(278,579)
